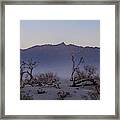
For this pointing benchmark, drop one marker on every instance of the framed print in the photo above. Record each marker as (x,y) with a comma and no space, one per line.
(59,60)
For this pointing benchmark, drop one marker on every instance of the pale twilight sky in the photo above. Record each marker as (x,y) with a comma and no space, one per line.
(77,32)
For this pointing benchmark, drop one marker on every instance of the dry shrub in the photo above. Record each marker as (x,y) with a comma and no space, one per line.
(49,79)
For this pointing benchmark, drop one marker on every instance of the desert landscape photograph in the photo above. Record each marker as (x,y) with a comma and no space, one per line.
(59,60)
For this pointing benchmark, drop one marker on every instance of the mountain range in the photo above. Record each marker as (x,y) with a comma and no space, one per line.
(58,58)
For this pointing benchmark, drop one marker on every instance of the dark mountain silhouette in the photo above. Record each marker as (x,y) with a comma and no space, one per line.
(57,58)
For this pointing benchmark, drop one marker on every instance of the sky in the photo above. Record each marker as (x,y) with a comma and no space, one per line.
(77,32)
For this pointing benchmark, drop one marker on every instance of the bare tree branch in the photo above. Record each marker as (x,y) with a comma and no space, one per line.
(27,67)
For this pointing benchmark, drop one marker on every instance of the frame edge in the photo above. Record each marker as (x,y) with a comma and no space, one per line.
(2,76)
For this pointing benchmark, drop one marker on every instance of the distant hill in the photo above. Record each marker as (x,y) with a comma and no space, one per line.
(57,58)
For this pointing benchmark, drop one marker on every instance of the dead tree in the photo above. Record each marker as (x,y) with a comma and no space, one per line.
(27,68)
(75,68)
(88,74)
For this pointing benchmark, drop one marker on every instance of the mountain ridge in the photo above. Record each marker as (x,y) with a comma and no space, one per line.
(60,44)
